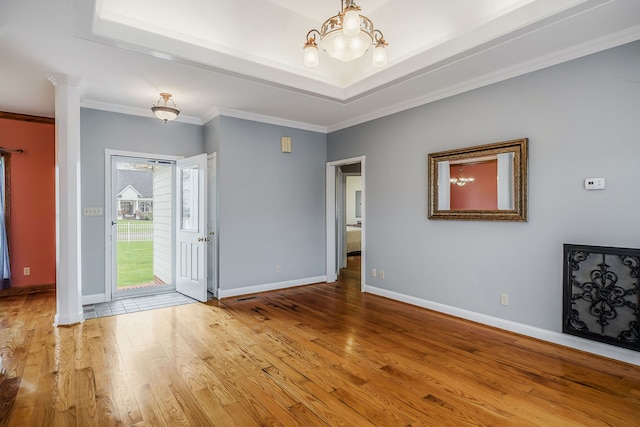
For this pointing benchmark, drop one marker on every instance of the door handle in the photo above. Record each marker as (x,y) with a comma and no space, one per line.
(203,239)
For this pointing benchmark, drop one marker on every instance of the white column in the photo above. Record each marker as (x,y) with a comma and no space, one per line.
(68,209)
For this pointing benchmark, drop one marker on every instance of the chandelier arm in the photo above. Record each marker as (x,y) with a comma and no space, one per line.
(312,31)
(379,40)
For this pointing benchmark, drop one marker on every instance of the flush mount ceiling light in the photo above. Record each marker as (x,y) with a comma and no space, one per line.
(346,36)
(164,111)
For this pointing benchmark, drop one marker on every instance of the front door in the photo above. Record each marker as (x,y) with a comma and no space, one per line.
(191,230)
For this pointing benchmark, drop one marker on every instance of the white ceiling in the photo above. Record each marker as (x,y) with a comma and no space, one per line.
(244,59)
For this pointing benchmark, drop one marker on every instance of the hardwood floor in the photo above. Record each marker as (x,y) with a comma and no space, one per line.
(323,354)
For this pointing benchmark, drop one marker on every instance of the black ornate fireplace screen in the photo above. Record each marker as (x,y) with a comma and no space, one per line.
(601,294)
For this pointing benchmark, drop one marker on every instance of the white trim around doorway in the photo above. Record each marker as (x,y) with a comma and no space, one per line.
(108,154)
(331,218)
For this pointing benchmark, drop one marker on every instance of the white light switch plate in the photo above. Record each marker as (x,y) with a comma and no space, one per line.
(92,211)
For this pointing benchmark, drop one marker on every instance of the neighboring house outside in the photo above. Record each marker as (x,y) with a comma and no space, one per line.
(134,194)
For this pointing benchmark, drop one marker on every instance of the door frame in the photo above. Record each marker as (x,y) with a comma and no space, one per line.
(341,220)
(331,244)
(108,211)
(212,218)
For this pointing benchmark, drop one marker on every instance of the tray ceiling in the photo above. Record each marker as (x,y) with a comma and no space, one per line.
(245,59)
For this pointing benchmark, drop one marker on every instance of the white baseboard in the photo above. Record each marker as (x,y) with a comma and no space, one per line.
(94,299)
(226,293)
(601,349)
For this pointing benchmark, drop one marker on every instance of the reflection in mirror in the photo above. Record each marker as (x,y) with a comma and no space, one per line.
(486,182)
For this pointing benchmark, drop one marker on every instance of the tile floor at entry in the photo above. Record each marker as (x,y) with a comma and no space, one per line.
(134,305)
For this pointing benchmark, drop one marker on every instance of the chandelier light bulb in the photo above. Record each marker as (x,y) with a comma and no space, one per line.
(311,56)
(351,23)
(379,57)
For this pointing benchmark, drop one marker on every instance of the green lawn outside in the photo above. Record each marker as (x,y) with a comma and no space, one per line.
(135,263)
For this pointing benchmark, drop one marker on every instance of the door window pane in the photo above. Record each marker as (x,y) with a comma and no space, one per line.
(189,190)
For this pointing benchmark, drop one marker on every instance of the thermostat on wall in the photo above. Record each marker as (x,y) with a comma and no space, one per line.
(594,183)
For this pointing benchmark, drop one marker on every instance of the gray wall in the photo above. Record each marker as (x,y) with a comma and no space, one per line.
(582,120)
(102,130)
(270,204)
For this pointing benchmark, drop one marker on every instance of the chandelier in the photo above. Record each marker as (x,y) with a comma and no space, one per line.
(346,36)
(164,111)
(461,181)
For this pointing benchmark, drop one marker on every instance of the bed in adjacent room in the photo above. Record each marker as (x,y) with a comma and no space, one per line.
(354,240)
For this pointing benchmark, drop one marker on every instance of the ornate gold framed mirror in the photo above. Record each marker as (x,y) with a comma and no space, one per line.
(485,182)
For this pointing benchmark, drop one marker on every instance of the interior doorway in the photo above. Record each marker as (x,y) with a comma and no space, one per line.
(346,227)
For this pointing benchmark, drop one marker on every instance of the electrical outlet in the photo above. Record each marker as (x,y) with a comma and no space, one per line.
(381,274)
(373,272)
(278,269)
(504,299)
(27,271)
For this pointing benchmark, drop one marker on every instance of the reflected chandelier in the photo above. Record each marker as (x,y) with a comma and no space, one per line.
(346,36)
(461,181)
(164,111)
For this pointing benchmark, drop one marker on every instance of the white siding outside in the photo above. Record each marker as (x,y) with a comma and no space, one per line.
(162,223)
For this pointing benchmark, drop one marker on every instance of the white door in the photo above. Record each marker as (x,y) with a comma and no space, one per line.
(191,233)
(212,211)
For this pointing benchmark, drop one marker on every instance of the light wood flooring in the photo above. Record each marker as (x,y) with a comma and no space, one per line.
(316,355)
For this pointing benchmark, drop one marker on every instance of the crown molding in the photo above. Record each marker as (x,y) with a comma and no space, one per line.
(261,118)
(135,111)
(593,46)
(215,112)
